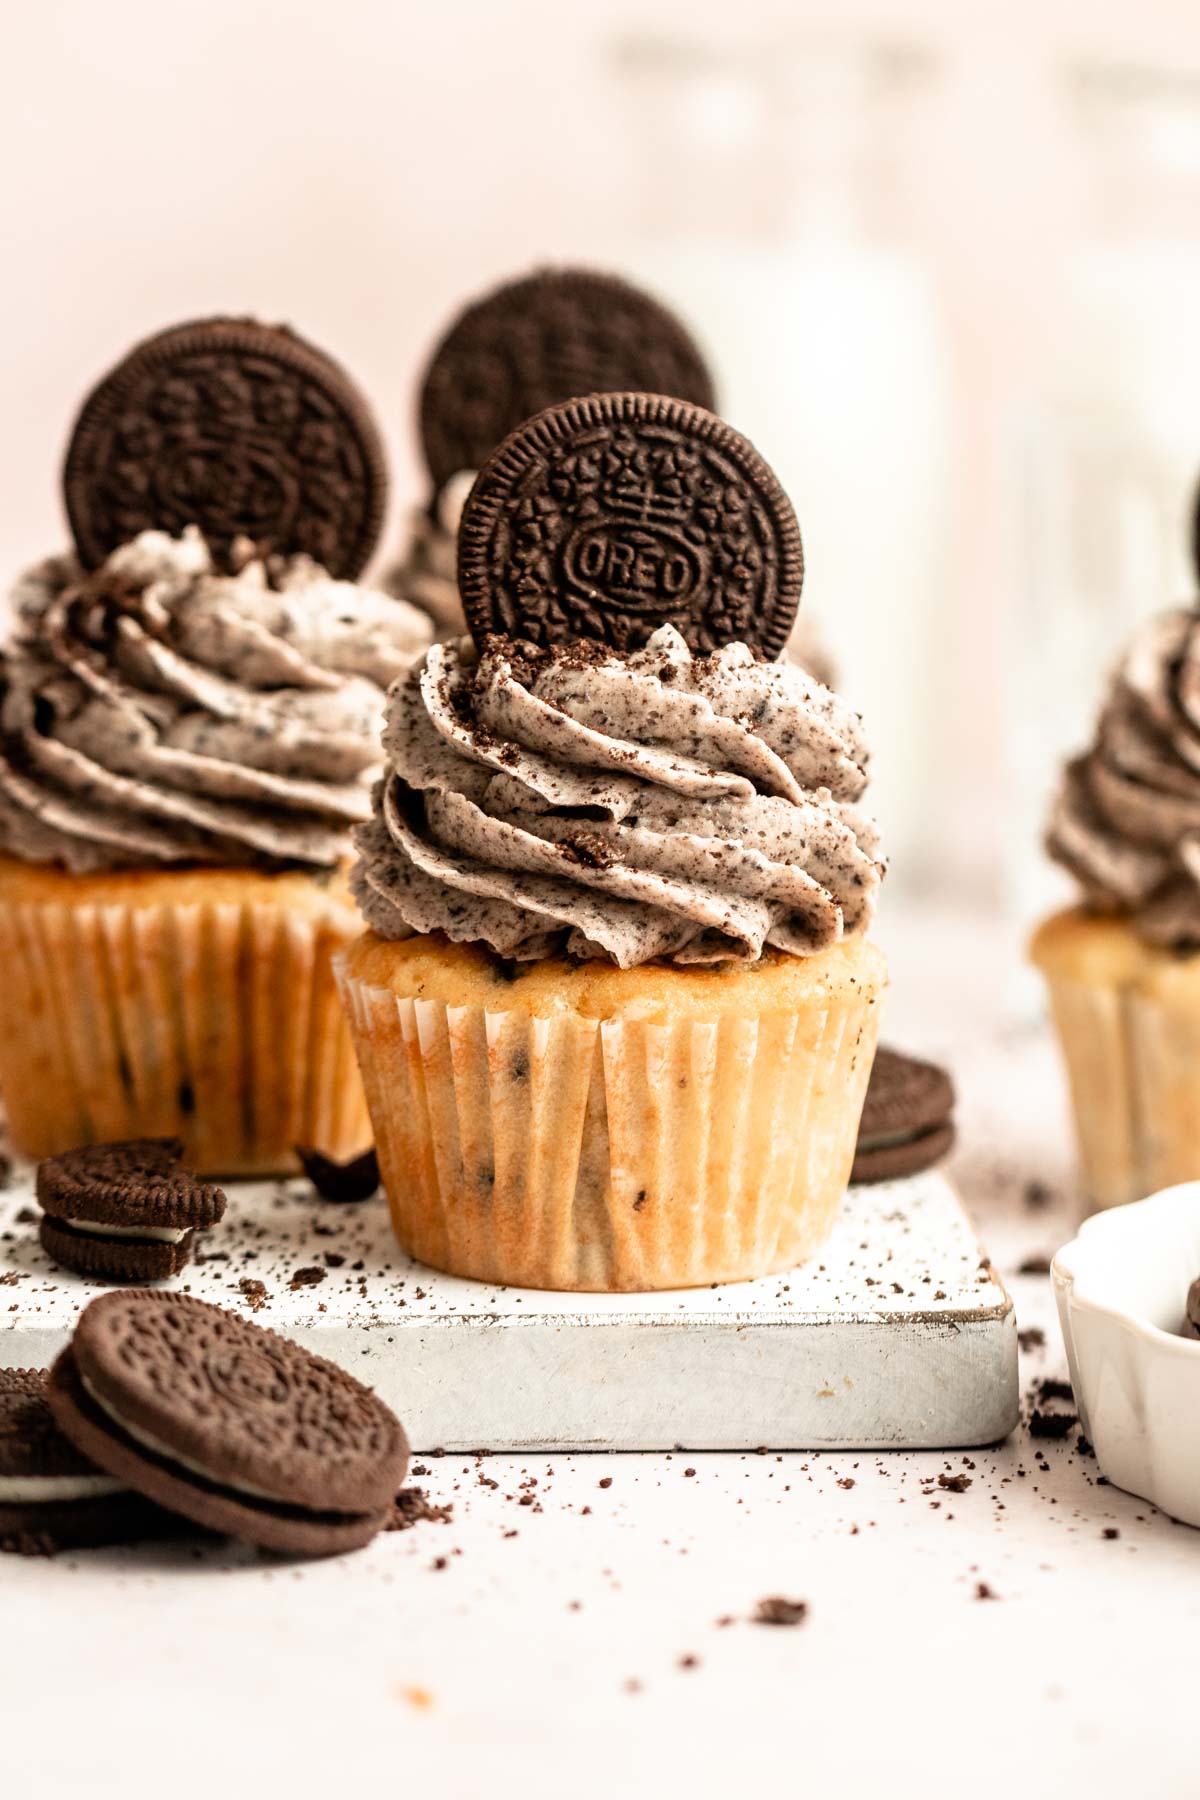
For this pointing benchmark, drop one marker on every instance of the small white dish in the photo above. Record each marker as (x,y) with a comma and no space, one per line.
(1121,1288)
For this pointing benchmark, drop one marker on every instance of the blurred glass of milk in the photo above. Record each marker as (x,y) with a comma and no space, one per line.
(768,200)
(1114,452)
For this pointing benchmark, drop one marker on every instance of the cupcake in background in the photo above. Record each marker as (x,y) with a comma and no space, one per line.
(190,708)
(616,1008)
(1123,967)
(532,343)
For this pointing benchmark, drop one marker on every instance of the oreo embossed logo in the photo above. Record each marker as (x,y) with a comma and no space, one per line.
(609,516)
(649,569)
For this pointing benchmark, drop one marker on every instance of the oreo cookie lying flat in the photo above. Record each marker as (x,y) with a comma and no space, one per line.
(228,1424)
(533,343)
(609,516)
(1191,1324)
(124,1212)
(242,429)
(906,1123)
(51,1497)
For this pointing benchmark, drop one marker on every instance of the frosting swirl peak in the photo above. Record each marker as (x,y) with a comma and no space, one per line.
(656,804)
(158,711)
(1126,821)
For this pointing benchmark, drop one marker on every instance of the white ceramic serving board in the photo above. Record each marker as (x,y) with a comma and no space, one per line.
(901,1336)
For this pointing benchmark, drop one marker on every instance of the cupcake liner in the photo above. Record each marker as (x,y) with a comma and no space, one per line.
(611,1155)
(218,1023)
(1132,1054)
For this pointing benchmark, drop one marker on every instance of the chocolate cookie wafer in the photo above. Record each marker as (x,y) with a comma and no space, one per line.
(610,516)
(228,1424)
(240,428)
(906,1123)
(548,337)
(51,1496)
(124,1212)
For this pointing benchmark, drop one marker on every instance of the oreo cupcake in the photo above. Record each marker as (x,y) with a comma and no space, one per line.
(1122,967)
(189,715)
(616,1008)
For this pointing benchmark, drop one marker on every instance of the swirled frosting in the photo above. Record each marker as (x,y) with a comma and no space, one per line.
(1126,822)
(158,711)
(655,805)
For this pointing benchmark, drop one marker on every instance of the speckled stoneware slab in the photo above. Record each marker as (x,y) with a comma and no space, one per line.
(901,1336)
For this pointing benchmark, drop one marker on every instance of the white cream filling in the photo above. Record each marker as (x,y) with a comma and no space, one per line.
(158,1234)
(892,1140)
(25,1490)
(172,1456)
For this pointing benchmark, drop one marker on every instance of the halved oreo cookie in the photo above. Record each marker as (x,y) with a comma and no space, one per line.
(242,429)
(51,1496)
(344,1183)
(124,1212)
(228,1424)
(609,516)
(548,337)
(907,1122)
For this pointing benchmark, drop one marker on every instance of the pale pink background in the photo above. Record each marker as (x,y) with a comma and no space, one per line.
(358,167)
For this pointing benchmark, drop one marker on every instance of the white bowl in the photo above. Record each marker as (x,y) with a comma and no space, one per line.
(1121,1288)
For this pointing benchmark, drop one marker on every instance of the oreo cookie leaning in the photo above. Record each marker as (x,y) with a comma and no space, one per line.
(228,1424)
(907,1122)
(124,1212)
(51,1496)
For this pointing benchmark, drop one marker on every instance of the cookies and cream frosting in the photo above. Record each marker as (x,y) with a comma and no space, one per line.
(1126,822)
(160,711)
(652,805)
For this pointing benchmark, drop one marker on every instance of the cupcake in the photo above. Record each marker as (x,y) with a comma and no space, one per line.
(1122,967)
(616,1007)
(190,707)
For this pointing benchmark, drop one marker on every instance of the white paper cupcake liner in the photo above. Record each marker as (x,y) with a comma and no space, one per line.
(572,1153)
(219,1024)
(1133,1065)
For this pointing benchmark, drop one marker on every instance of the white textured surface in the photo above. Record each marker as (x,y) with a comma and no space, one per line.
(505,1672)
(898,1336)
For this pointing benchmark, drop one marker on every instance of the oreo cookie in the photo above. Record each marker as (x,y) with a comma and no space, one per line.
(243,429)
(1191,1323)
(228,1424)
(124,1212)
(906,1123)
(345,1183)
(51,1496)
(609,516)
(533,343)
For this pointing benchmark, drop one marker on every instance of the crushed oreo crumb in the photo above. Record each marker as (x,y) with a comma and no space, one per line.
(775,1610)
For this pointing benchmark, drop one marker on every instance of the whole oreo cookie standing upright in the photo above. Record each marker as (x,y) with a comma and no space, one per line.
(240,428)
(548,337)
(907,1121)
(124,1212)
(228,1424)
(611,515)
